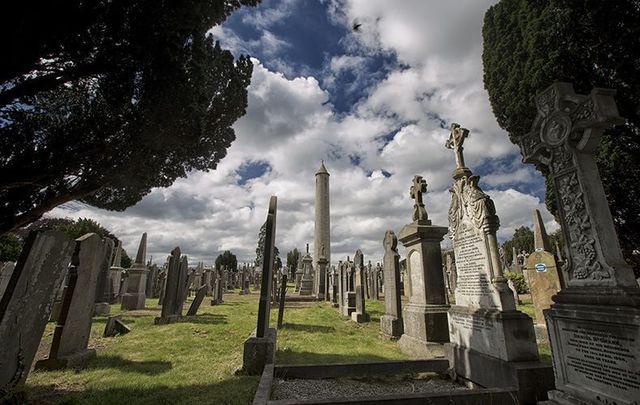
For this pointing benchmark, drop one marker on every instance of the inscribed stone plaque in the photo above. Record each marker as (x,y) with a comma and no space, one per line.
(544,283)
(415,268)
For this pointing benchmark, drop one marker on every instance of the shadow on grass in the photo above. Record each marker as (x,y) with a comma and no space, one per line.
(308,328)
(129,366)
(293,357)
(237,390)
(211,319)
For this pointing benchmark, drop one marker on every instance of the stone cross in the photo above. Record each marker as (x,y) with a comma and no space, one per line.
(455,141)
(418,187)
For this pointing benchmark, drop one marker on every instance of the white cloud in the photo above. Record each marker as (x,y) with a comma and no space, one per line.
(290,126)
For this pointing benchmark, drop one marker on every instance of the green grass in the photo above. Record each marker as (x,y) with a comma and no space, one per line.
(194,361)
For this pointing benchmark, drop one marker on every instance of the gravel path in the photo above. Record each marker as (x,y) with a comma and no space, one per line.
(348,387)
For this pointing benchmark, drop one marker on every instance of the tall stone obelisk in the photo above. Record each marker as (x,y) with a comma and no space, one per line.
(322,243)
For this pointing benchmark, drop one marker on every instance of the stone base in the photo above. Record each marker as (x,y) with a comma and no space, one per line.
(531,378)
(360,317)
(76,360)
(350,306)
(542,335)
(391,328)
(258,352)
(166,320)
(133,301)
(101,309)
(306,287)
(216,301)
(426,323)
(506,335)
(335,305)
(418,348)
(594,338)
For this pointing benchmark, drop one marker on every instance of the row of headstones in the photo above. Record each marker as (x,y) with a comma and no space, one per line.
(594,320)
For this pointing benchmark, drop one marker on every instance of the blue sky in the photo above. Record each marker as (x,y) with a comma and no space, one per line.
(373,103)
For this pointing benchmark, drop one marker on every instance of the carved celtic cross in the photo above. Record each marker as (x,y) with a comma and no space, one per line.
(455,142)
(418,187)
(564,134)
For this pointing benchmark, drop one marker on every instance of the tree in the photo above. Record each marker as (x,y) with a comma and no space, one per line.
(260,249)
(227,259)
(292,259)
(10,247)
(523,239)
(101,101)
(530,44)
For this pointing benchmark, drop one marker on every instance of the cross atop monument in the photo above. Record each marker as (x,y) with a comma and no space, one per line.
(455,141)
(418,187)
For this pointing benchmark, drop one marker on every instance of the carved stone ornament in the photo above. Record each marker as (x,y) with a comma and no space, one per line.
(566,130)
(468,200)
(390,242)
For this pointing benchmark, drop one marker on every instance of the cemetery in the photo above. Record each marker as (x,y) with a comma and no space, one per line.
(418,299)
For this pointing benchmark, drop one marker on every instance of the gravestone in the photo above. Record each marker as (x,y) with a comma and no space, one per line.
(134,295)
(197,301)
(541,270)
(6,270)
(492,344)
(115,326)
(26,304)
(260,347)
(115,274)
(306,284)
(283,293)
(349,296)
(174,289)
(425,316)
(102,305)
(594,321)
(322,264)
(152,279)
(391,325)
(360,315)
(514,291)
(299,273)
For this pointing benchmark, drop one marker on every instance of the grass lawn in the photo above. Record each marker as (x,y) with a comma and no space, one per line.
(194,361)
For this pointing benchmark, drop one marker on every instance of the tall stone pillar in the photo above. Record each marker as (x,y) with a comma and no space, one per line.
(322,240)
(594,321)
(134,296)
(425,316)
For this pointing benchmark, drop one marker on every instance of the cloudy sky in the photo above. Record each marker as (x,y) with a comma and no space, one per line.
(374,103)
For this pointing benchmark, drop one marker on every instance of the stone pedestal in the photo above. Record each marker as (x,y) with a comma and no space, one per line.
(75,360)
(101,309)
(425,316)
(259,351)
(391,327)
(306,285)
(134,297)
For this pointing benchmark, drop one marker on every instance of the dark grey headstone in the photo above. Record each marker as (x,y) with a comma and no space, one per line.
(197,301)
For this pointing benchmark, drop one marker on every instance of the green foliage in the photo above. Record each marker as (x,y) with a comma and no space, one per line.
(227,259)
(125,260)
(10,247)
(292,260)
(103,100)
(260,248)
(84,226)
(530,44)
(518,281)
(523,239)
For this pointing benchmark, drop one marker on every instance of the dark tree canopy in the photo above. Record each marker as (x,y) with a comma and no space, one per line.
(260,249)
(292,259)
(522,240)
(591,43)
(10,247)
(227,259)
(101,101)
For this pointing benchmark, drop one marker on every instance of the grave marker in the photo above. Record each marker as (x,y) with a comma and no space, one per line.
(391,326)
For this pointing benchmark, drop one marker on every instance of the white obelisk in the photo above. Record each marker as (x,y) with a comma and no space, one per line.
(322,243)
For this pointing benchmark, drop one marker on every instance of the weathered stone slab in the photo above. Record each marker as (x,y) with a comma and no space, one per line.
(359,315)
(6,270)
(134,295)
(391,323)
(544,282)
(197,301)
(26,304)
(115,326)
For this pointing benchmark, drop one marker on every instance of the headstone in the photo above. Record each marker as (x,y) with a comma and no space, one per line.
(115,326)
(134,296)
(349,296)
(115,274)
(6,270)
(425,316)
(71,335)
(299,273)
(26,304)
(102,305)
(594,321)
(360,315)
(492,344)
(174,289)
(283,293)
(391,326)
(513,289)
(197,301)
(541,270)
(306,284)
(152,279)
(260,347)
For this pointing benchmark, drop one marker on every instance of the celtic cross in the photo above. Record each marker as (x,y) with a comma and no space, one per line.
(418,187)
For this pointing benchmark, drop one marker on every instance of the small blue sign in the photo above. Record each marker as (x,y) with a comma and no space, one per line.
(541,267)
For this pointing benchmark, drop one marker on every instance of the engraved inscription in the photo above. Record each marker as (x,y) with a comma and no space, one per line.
(473,282)
(472,323)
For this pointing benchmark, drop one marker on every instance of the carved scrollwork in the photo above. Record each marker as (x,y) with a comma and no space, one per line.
(468,200)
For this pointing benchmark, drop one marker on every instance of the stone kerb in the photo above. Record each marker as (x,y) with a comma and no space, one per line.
(25,306)
(260,347)
(593,321)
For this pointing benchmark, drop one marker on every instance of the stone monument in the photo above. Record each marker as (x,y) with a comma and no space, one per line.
(172,297)
(102,305)
(306,283)
(134,296)
(391,326)
(322,232)
(425,316)
(594,321)
(115,274)
(492,344)
(359,315)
